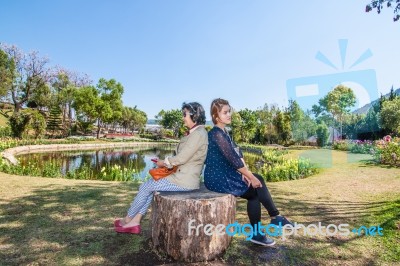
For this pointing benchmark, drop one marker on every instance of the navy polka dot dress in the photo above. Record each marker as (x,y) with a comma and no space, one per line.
(222,162)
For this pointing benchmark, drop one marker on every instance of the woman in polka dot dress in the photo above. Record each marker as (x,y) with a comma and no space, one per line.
(226,172)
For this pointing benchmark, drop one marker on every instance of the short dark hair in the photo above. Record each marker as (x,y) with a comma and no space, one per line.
(216,106)
(197,113)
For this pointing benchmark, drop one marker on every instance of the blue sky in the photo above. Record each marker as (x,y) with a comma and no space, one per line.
(169,51)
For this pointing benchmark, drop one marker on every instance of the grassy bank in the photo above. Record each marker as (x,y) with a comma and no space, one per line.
(69,222)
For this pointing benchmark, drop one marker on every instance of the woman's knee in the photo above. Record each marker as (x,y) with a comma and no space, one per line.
(146,185)
(259,177)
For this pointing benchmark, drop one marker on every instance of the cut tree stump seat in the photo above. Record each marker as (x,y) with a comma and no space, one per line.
(172,213)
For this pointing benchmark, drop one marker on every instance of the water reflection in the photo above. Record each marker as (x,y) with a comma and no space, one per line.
(136,160)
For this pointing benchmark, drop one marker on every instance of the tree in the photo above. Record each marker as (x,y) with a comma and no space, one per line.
(133,118)
(379,4)
(7,67)
(236,121)
(266,129)
(101,105)
(110,105)
(282,124)
(19,122)
(139,119)
(390,115)
(64,83)
(54,122)
(86,105)
(25,75)
(37,123)
(301,123)
(337,102)
(23,122)
(322,134)
(171,119)
(247,125)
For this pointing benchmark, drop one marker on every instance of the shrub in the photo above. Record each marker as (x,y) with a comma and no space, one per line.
(322,134)
(388,151)
(5,132)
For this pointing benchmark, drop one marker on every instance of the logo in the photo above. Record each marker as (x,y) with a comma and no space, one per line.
(283,231)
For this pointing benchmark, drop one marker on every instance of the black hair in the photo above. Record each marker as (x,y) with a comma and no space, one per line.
(197,113)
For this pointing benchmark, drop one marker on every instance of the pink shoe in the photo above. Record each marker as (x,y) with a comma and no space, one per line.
(117,223)
(128,230)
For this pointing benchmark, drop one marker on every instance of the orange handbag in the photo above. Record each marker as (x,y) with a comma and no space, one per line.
(161,172)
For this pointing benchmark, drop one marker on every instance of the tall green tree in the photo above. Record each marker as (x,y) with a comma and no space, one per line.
(101,105)
(282,123)
(322,134)
(132,119)
(337,102)
(235,127)
(247,125)
(171,119)
(302,125)
(54,121)
(111,107)
(87,104)
(266,129)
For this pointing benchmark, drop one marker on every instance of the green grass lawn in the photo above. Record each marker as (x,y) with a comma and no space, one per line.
(46,221)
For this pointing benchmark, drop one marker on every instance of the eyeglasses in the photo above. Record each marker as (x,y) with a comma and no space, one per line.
(185,113)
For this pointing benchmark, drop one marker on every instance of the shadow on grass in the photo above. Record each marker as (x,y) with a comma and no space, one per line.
(72,225)
(337,249)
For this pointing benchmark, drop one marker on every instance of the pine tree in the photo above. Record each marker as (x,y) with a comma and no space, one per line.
(54,122)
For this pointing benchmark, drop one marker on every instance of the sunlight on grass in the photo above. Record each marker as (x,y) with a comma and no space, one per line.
(69,222)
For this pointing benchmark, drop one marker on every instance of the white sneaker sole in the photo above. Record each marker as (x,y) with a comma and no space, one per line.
(262,243)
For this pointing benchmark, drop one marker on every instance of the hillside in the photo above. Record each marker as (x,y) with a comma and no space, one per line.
(365,108)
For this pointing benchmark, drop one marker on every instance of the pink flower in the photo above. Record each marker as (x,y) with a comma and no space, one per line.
(387,138)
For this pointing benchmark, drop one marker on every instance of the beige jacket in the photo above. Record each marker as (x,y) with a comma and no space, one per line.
(190,156)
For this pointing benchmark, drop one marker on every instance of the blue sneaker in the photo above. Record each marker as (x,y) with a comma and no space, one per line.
(262,240)
(281,219)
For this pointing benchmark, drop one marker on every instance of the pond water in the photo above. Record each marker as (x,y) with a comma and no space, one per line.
(116,164)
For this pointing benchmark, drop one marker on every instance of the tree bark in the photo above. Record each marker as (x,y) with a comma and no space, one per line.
(172,212)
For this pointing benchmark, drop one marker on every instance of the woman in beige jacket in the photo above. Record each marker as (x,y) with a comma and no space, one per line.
(190,156)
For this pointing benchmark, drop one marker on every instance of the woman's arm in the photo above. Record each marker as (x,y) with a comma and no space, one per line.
(249,177)
(193,143)
(227,149)
(237,162)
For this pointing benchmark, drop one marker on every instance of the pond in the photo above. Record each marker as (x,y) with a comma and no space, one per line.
(116,164)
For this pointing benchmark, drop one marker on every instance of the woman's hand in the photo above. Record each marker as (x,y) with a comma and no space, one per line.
(160,163)
(255,183)
(244,178)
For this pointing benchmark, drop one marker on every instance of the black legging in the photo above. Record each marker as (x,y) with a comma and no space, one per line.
(254,197)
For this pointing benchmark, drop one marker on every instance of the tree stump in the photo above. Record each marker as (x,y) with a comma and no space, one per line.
(173,211)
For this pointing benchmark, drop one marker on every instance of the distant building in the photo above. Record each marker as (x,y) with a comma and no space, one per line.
(153,128)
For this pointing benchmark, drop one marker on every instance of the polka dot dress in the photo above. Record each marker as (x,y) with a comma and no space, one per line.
(220,174)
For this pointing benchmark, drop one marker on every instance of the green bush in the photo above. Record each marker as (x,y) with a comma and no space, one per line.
(37,123)
(5,132)
(274,167)
(291,169)
(19,123)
